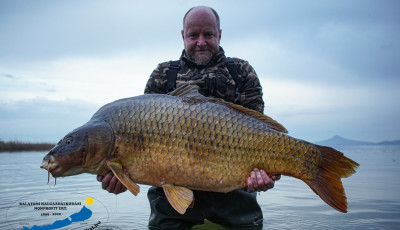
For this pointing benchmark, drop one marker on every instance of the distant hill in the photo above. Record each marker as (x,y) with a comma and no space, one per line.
(396,142)
(340,141)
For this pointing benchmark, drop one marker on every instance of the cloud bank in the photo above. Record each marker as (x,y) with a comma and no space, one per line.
(326,67)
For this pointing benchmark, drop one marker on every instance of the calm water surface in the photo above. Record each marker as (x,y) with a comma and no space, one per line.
(373,197)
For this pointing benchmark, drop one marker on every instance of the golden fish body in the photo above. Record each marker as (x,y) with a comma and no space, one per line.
(186,142)
(201,145)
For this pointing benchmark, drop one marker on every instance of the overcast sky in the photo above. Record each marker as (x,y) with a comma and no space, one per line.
(327,67)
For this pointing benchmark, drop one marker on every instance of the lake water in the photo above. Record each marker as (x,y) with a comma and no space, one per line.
(373,196)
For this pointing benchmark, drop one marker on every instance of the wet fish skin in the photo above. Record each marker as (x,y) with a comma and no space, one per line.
(189,141)
(211,145)
(83,150)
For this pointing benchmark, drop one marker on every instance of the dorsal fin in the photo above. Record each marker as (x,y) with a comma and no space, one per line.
(192,91)
(186,90)
(262,117)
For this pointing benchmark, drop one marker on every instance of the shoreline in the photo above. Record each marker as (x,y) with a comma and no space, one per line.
(17,146)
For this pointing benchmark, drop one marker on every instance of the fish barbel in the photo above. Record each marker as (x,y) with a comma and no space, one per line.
(185,141)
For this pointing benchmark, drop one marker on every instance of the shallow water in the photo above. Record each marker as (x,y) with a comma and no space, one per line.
(373,197)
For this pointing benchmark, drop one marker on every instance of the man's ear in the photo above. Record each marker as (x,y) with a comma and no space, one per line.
(183,34)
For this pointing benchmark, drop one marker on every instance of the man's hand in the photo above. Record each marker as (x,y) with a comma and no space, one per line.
(111,183)
(260,181)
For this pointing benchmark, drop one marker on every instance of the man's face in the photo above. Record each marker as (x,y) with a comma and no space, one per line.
(201,36)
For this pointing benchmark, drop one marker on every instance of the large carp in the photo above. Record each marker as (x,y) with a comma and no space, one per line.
(185,141)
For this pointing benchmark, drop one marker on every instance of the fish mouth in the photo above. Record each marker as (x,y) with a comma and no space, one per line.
(50,164)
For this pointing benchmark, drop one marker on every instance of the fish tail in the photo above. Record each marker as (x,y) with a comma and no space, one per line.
(328,184)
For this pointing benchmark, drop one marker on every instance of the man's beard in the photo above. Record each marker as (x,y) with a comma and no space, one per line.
(202,59)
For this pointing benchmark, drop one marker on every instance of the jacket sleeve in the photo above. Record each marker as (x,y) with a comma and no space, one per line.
(251,88)
(157,81)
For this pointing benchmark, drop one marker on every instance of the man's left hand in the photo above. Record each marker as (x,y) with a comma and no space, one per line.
(259,180)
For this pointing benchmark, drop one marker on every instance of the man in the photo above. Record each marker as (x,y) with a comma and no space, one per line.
(203,63)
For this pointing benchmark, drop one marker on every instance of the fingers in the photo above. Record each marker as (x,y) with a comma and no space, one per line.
(105,182)
(260,181)
(111,183)
(250,184)
(275,177)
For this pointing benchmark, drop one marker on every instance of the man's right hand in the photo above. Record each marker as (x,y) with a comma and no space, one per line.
(111,183)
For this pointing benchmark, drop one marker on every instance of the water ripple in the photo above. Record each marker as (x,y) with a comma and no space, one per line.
(290,205)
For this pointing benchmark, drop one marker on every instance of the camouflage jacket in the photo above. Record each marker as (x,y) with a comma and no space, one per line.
(213,80)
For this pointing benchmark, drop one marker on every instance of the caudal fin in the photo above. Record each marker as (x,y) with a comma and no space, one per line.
(328,184)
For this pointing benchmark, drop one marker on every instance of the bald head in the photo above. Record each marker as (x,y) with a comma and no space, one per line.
(205,10)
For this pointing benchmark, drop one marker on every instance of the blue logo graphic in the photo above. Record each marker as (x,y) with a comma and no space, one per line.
(82,215)
(57,210)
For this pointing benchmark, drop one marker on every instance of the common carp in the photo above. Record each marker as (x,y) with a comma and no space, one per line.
(184,141)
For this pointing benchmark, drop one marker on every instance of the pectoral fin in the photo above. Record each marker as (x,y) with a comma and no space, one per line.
(116,168)
(180,198)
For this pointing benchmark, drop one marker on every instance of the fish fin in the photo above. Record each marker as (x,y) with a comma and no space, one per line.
(192,91)
(327,184)
(192,204)
(262,117)
(180,198)
(116,168)
(186,90)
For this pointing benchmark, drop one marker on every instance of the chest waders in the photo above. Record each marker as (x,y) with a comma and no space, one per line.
(238,208)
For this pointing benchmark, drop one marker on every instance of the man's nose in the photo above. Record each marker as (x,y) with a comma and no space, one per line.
(201,41)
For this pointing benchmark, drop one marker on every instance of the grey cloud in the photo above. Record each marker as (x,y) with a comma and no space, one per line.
(358,36)
(40,119)
(358,122)
(348,43)
(42,107)
(9,76)
(44,29)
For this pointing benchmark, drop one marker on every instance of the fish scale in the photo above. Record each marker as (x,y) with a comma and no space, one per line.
(185,142)
(243,133)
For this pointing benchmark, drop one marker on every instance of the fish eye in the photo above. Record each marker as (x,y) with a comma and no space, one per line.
(68,140)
